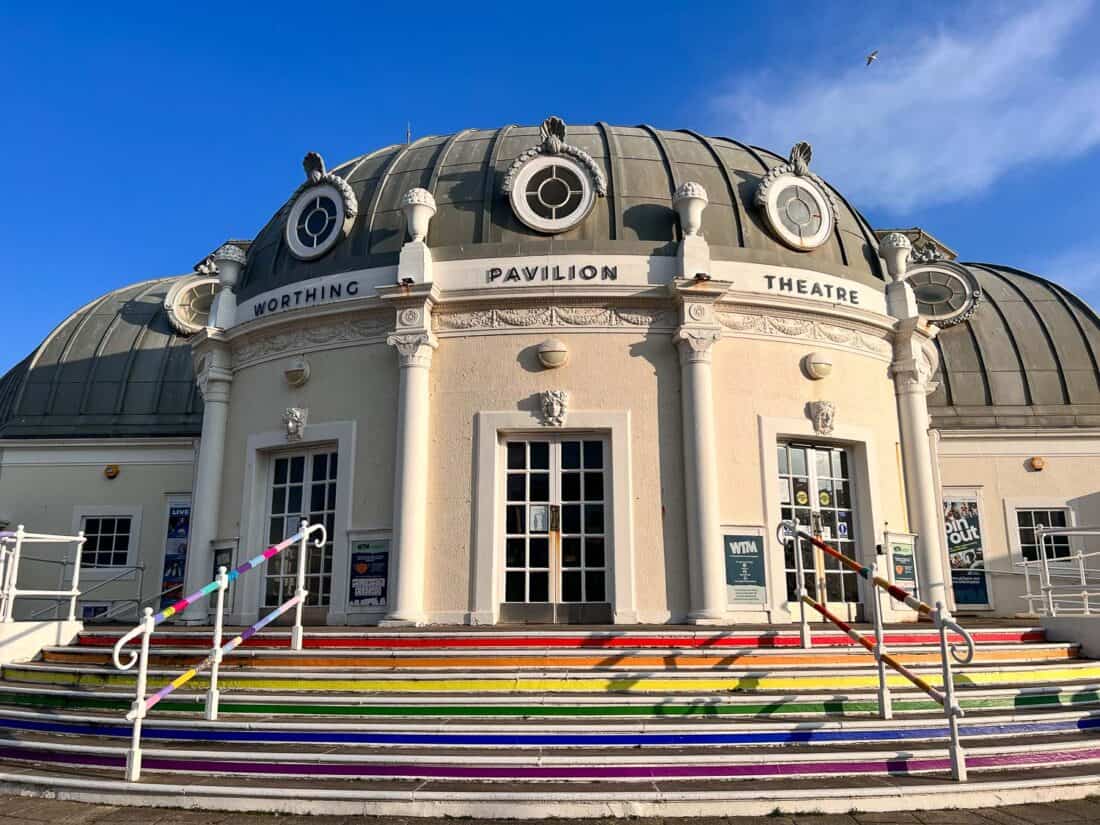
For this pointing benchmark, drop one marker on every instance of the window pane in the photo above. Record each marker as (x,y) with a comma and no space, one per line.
(1024,518)
(571,551)
(122,525)
(280,470)
(106,525)
(517,456)
(782,453)
(1057,518)
(571,486)
(517,487)
(540,553)
(294,500)
(320,468)
(798,461)
(571,586)
(593,486)
(540,486)
(594,586)
(516,518)
(540,455)
(593,455)
(278,500)
(571,455)
(297,468)
(331,496)
(593,552)
(514,587)
(821,462)
(540,587)
(593,518)
(514,554)
(317,497)
(840,464)
(571,518)
(332,469)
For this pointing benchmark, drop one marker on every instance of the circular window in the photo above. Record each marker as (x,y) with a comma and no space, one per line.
(315,222)
(188,303)
(798,212)
(552,193)
(944,296)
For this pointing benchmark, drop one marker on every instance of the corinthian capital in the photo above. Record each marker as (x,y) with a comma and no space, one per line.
(415,348)
(695,342)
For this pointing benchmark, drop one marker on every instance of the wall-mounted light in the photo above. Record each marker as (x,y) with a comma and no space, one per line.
(553,353)
(1036,463)
(297,371)
(817,365)
(111,471)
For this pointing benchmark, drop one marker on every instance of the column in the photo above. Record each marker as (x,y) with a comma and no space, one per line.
(415,345)
(214,382)
(695,339)
(912,369)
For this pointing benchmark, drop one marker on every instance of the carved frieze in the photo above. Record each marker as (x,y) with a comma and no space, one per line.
(303,339)
(576,316)
(805,330)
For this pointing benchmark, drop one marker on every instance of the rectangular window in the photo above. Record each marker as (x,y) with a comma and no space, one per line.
(108,540)
(302,485)
(1057,547)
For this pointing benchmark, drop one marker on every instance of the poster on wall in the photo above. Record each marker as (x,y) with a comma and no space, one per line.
(964,550)
(903,567)
(745,582)
(368,580)
(175,551)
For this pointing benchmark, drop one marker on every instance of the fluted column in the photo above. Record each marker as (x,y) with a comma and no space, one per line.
(912,368)
(695,339)
(415,344)
(214,380)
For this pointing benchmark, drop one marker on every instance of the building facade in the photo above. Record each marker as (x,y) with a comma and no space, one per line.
(562,375)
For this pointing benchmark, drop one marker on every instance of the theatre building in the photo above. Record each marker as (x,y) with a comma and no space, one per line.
(561,375)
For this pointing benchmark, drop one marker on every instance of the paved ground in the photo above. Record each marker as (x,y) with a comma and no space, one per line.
(15,809)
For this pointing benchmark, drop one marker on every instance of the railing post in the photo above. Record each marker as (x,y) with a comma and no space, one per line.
(1084,581)
(78,559)
(10,584)
(885,701)
(212,693)
(1044,571)
(303,548)
(803,621)
(133,758)
(950,708)
(1027,587)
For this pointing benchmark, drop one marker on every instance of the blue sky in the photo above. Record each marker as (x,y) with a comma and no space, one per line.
(138,137)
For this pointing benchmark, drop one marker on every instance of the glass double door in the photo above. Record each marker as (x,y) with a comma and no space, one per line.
(815,487)
(556,530)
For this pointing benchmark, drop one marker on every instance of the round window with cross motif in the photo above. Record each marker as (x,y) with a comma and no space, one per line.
(552,193)
(798,212)
(316,222)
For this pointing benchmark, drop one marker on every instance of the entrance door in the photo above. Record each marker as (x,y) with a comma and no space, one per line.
(815,487)
(556,531)
(302,484)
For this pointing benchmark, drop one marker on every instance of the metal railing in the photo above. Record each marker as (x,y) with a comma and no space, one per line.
(142,703)
(11,553)
(939,615)
(1052,598)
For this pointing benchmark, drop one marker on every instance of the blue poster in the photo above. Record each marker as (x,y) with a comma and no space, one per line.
(745,577)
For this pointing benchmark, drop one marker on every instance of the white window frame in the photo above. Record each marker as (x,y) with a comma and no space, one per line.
(1012,505)
(133,552)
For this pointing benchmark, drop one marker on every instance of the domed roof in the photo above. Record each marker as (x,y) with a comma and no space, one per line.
(642,166)
(115,367)
(1028,357)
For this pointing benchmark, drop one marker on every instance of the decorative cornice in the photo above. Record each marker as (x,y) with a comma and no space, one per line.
(552,133)
(553,316)
(307,338)
(804,329)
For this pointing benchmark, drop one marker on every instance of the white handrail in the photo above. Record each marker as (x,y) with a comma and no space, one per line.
(940,616)
(11,551)
(143,704)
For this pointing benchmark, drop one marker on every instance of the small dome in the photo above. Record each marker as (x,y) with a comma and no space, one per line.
(642,167)
(1028,357)
(115,367)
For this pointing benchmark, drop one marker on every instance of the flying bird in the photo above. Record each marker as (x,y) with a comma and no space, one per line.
(872,57)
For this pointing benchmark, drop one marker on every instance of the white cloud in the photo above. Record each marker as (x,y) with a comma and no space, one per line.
(939,117)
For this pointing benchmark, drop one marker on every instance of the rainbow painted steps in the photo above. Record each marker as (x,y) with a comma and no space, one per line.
(476,717)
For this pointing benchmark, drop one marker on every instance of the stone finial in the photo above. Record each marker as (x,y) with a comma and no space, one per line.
(419,208)
(689,202)
(229,260)
(894,249)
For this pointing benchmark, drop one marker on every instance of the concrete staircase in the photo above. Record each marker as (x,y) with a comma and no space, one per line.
(522,723)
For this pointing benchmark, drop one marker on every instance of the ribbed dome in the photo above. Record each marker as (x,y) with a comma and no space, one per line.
(1027,357)
(113,368)
(643,167)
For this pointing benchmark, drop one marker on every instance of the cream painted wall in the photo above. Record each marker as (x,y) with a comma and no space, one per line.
(995,465)
(44,483)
